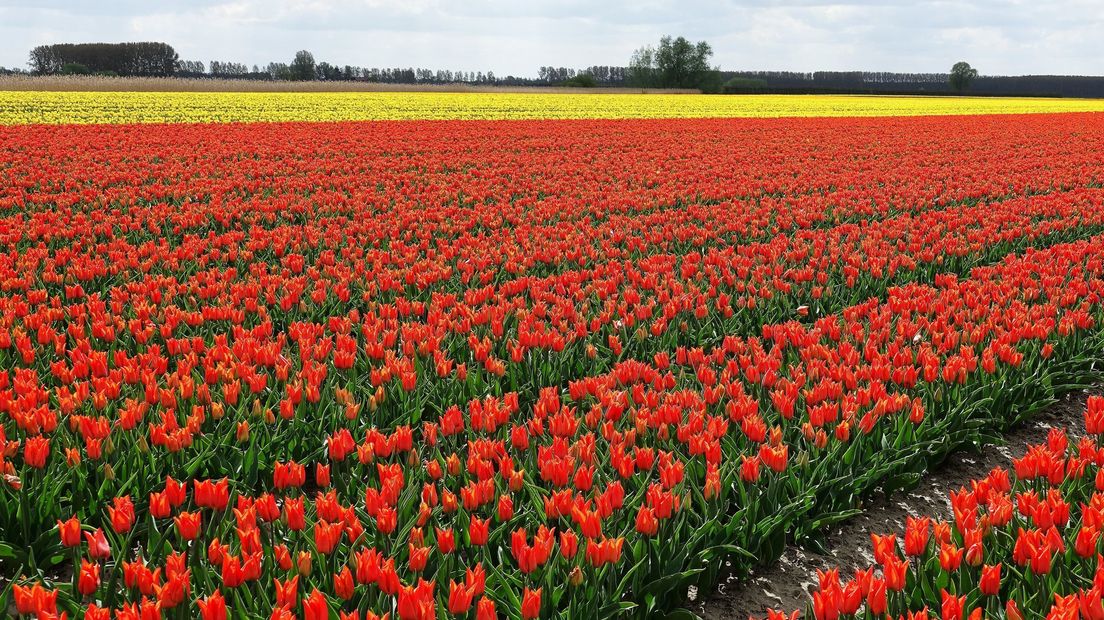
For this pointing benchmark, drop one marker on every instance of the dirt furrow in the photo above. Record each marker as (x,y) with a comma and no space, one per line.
(786,584)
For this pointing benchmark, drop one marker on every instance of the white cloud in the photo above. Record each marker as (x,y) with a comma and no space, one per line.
(516,37)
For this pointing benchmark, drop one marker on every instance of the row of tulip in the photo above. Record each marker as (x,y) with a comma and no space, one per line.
(121,106)
(672,465)
(214,443)
(1023,542)
(440,354)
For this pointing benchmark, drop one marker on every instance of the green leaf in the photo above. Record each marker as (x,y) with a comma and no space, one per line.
(678,582)
(682,614)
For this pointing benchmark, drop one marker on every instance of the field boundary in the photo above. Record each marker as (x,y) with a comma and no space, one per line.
(95,83)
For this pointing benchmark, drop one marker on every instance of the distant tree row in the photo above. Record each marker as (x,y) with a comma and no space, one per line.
(674,63)
(128,59)
(601,74)
(159,59)
(934,83)
(303,67)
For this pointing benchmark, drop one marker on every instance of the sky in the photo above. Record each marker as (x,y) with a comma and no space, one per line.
(516,37)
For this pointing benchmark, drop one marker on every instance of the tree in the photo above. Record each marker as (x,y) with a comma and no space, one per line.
(642,71)
(279,71)
(302,68)
(676,63)
(961,76)
(44,61)
(682,64)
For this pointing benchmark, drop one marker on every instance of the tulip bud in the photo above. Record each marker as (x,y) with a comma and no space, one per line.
(576,577)
(303,563)
(975,555)
(517,480)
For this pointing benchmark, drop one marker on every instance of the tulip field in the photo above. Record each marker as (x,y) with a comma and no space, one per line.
(61,107)
(1024,543)
(540,367)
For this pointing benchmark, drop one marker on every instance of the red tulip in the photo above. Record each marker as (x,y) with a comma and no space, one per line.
(1086,541)
(895,574)
(446,541)
(98,549)
(315,606)
(70,532)
(478,531)
(950,557)
(646,522)
(952,606)
(188,524)
(749,468)
(916,535)
(876,600)
(214,495)
(294,516)
(34,600)
(485,610)
(826,605)
(531,604)
(343,584)
(95,612)
(990,581)
(89,580)
(287,592)
(322,475)
(35,452)
(122,514)
(460,598)
(505,508)
(213,607)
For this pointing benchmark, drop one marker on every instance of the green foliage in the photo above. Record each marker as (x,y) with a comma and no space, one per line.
(302,68)
(711,82)
(583,80)
(961,76)
(642,72)
(744,85)
(140,59)
(74,68)
(676,63)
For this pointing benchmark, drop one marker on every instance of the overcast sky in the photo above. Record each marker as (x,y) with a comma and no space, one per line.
(517,36)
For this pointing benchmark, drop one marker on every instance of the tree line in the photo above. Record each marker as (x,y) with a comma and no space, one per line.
(147,58)
(918,83)
(304,68)
(674,62)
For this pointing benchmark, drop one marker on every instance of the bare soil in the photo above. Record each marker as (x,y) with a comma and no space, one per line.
(95,83)
(787,584)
